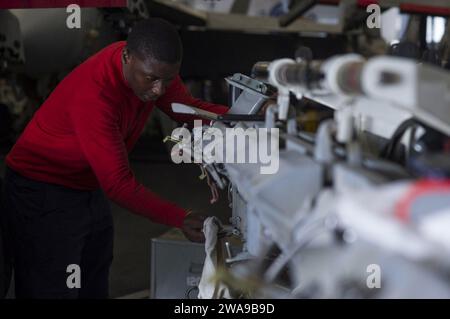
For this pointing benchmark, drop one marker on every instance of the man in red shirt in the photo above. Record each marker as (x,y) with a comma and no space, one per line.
(75,150)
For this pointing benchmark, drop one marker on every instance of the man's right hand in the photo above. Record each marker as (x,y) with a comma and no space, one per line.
(193,228)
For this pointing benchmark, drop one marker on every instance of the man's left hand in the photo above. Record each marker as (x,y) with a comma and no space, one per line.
(193,228)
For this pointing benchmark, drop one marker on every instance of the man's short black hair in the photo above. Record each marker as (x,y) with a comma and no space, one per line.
(155,38)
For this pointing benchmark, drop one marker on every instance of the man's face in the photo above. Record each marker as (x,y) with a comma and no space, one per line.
(148,78)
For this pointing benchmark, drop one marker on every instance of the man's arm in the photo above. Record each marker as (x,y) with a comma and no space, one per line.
(96,126)
(178,93)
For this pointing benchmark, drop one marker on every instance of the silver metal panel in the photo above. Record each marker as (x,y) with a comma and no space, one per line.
(176,268)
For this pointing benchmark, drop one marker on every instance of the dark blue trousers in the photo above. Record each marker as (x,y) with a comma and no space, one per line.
(60,239)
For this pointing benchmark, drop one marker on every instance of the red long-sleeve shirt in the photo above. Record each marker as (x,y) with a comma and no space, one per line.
(82,134)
